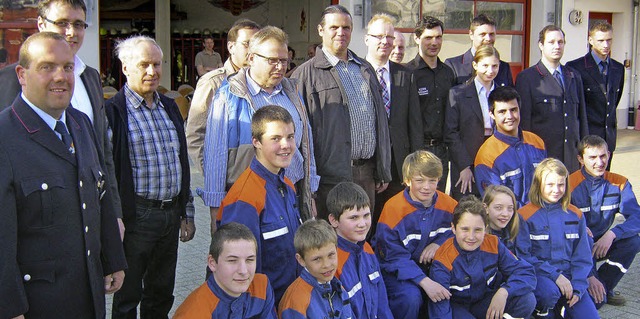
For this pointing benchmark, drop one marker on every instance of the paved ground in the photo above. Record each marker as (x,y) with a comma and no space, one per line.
(192,255)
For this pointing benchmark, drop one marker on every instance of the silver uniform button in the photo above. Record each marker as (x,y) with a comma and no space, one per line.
(44,186)
(88,252)
(27,277)
(86,229)
(84,206)
(80,183)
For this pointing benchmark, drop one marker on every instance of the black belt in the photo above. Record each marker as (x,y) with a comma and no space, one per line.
(360,162)
(432,142)
(154,203)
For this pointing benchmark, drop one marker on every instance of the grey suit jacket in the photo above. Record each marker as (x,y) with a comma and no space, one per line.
(10,88)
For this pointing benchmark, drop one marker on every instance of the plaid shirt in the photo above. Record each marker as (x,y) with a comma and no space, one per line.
(154,148)
(361,108)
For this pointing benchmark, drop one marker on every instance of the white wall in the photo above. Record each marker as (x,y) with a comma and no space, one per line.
(88,52)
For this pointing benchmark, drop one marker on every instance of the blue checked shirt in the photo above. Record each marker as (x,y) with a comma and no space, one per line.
(154,148)
(360,102)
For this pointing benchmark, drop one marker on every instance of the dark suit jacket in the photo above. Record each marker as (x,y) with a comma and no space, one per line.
(10,88)
(405,121)
(464,130)
(558,117)
(462,68)
(117,114)
(601,98)
(58,237)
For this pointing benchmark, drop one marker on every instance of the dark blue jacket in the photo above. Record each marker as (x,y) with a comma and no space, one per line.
(306,298)
(555,114)
(359,272)
(601,97)
(601,198)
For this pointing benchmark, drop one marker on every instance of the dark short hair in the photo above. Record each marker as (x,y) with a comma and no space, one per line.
(24,56)
(268,114)
(481,19)
(229,232)
(345,196)
(232,35)
(502,94)
(44,6)
(427,22)
(472,205)
(602,26)
(591,141)
(546,29)
(334,9)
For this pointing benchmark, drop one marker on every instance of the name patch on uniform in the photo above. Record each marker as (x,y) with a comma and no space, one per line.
(275,233)
(539,237)
(423,91)
(374,275)
(572,236)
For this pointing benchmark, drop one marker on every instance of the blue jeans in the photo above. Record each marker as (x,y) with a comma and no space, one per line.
(151,249)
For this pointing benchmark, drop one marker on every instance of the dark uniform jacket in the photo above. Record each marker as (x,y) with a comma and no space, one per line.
(327,104)
(601,97)
(405,121)
(59,238)
(10,87)
(558,116)
(464,131)
(116,109)
(462,68)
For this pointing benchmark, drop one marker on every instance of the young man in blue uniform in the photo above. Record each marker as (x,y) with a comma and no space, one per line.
(358,267)
(317,293)
(264,199)
(412,226)
(509,156)
(600,195)
(603,80)
(232,260)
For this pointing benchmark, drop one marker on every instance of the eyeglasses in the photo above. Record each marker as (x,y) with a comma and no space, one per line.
(77,25)
(389,38)
(274,61)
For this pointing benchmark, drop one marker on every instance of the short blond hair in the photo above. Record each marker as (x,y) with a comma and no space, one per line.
(422,163)
(314,234)
(382,17)
(547,166)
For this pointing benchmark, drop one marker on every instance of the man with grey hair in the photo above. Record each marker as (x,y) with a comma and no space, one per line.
(349,120)
(399,46)
(227,155)
(152,169)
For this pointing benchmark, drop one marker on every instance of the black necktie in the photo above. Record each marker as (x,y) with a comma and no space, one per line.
(66,137)
(558,76)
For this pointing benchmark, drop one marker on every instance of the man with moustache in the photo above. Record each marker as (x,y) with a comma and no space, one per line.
(348,117)
(400,97)
(603,80)
(228,150)
(152,168)
(482,31)
(61,248)
(68,18)
(552,100)
(433,79)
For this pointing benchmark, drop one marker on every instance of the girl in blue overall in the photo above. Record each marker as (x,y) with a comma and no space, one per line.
(501,205)
(553,238)
(485,279)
